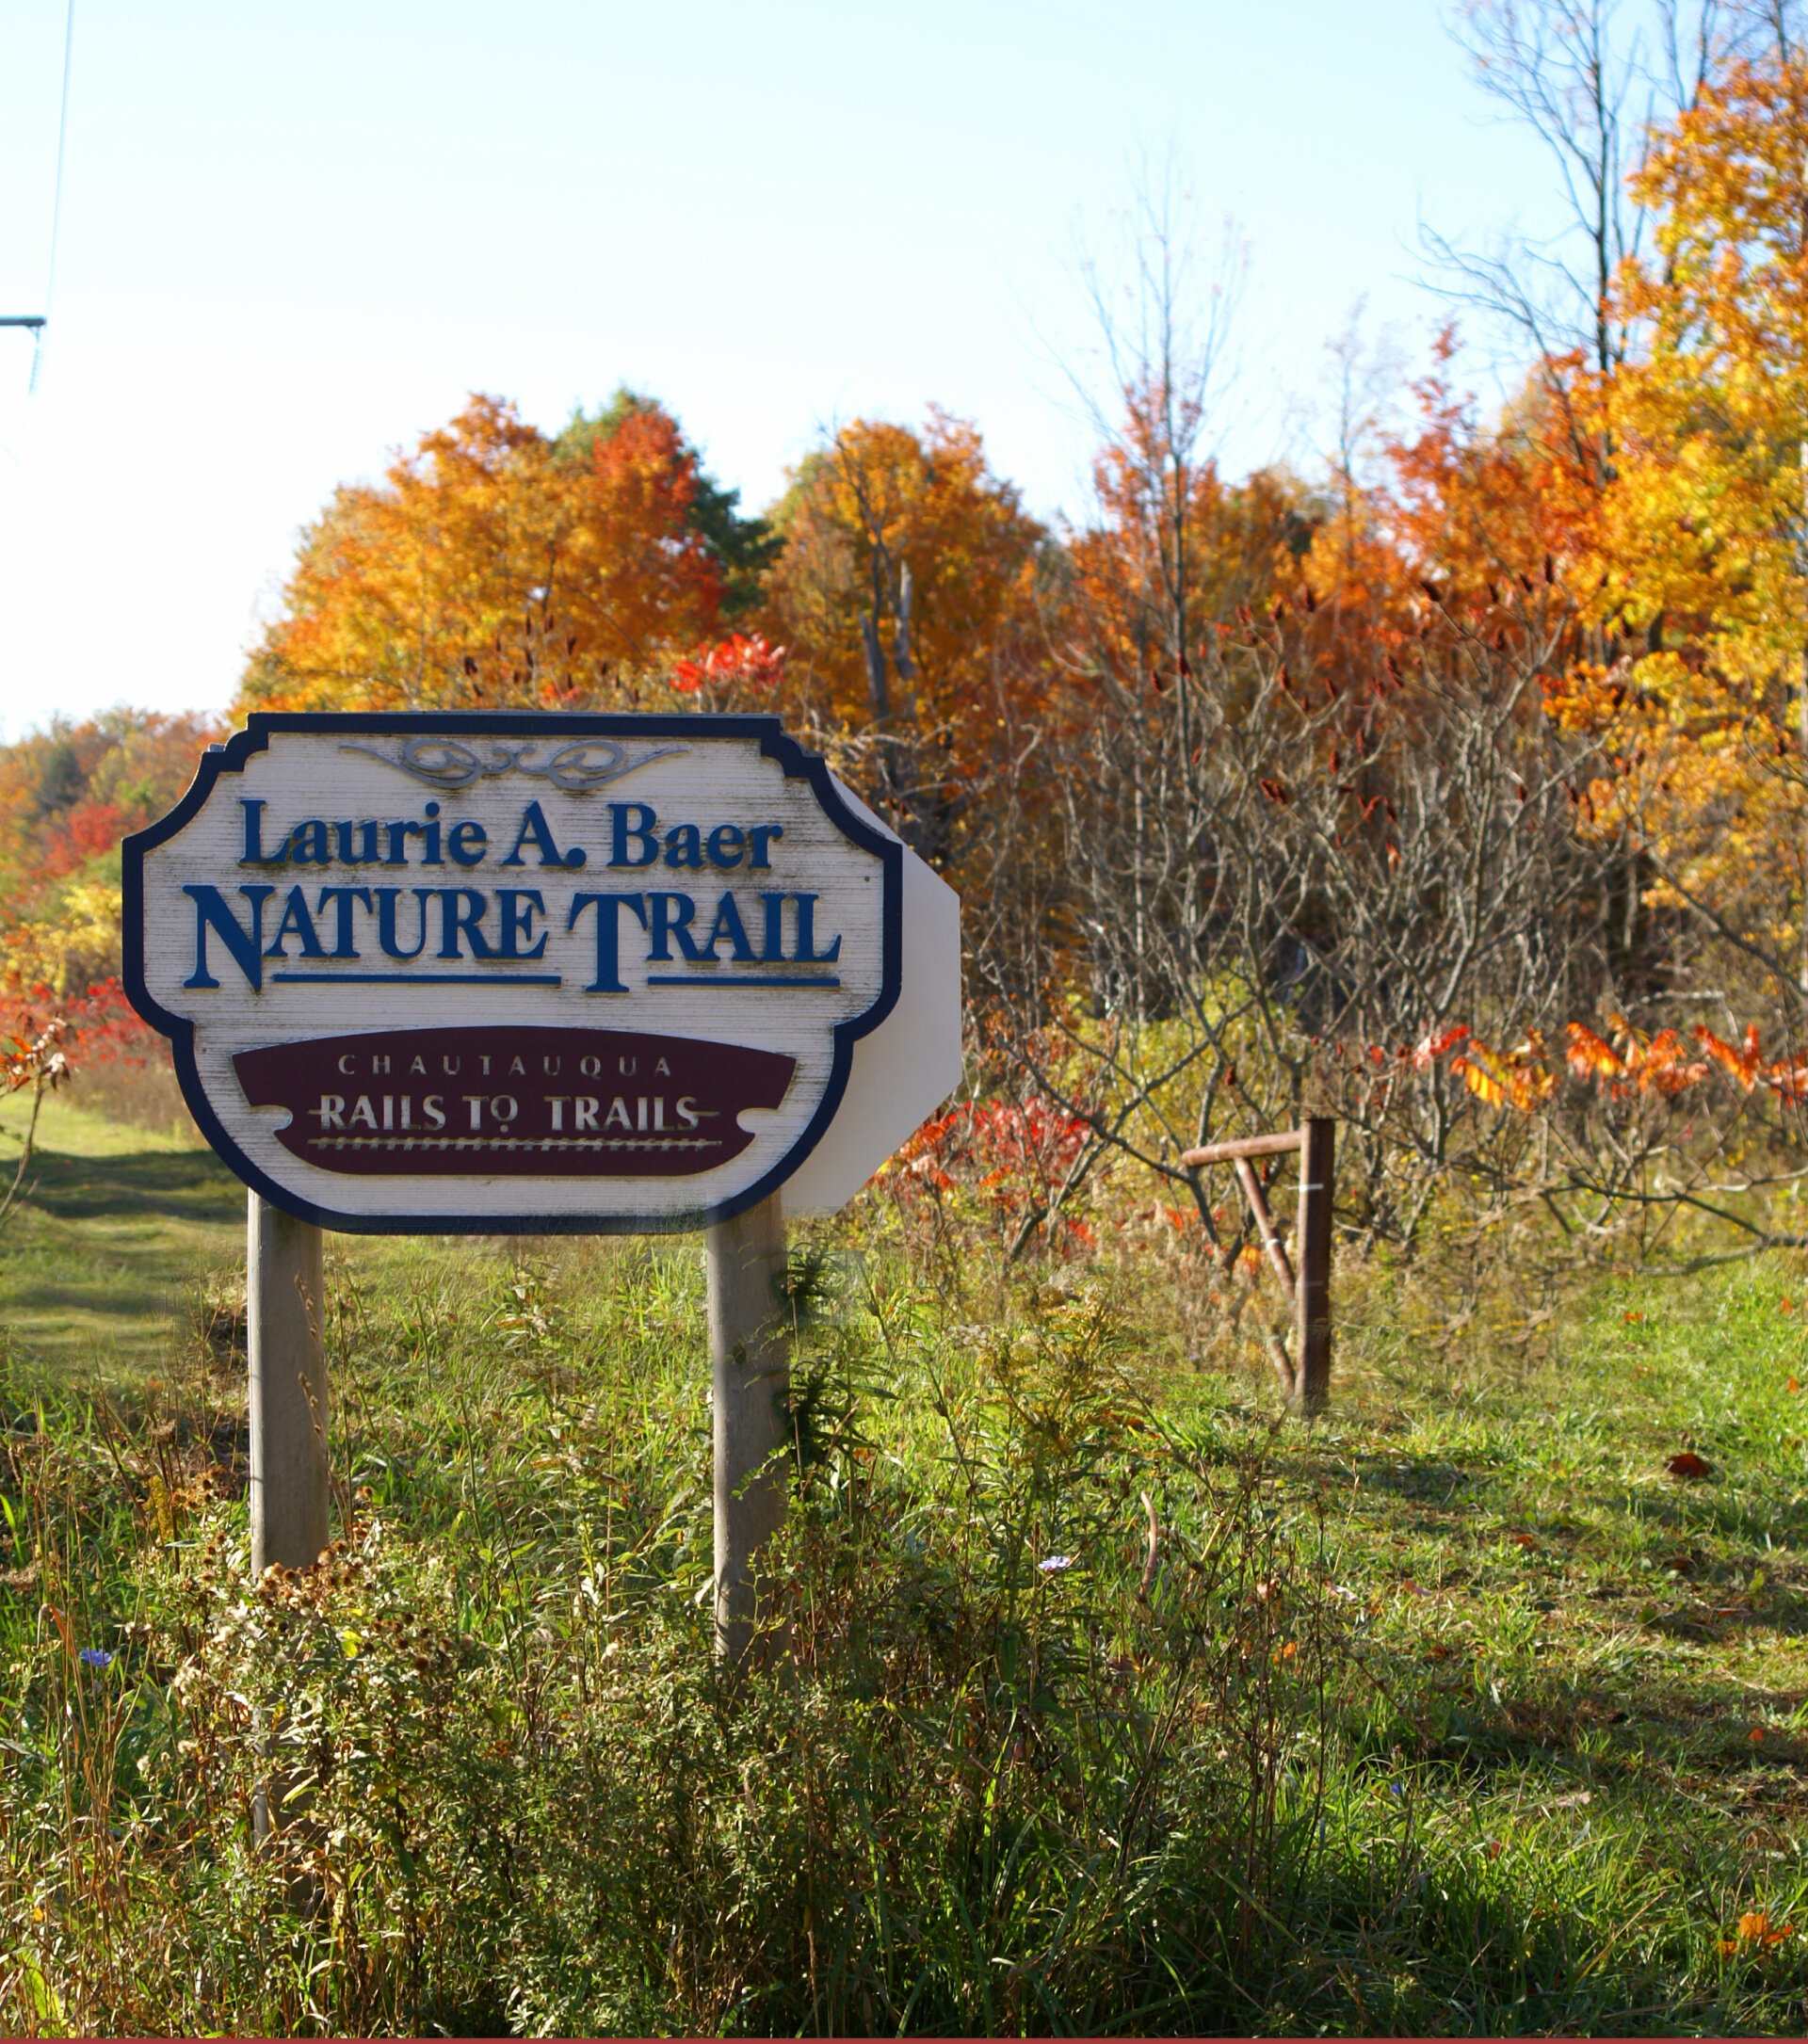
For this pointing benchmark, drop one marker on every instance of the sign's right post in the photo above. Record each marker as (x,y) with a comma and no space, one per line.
(750,1380)
(1312,1295)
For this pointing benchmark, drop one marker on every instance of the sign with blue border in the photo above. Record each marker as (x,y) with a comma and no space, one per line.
(469,972)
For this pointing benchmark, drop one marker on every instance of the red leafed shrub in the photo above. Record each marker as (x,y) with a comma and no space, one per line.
(111,1028)
(125,1071)
(741,661)
(1014,1160)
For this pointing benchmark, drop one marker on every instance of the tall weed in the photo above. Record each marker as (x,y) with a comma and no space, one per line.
(1053,1700)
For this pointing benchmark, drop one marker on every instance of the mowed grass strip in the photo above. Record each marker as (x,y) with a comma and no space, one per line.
(98,1270)
(1569,1637)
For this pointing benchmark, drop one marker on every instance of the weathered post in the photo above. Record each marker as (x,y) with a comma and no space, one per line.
(284,1305)
(749,1366)
(1312,1296)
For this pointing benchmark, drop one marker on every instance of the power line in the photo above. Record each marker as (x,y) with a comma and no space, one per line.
(57,197)
(37,321)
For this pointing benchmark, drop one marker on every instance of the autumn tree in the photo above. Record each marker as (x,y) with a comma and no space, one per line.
(497,565)
(1586,79)
(905,572)
(68,795)
(1706,542)
(1581,76)
(1169,555)
(743,548)
(1702,548)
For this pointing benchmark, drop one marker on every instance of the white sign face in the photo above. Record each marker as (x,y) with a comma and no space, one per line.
(907,1068)
(526,972)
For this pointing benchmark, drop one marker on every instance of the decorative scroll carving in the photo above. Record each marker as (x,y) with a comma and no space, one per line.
(578,767)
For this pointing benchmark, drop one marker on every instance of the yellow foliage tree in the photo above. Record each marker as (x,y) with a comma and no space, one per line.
(1705,539)
(67,797)
(1701,543)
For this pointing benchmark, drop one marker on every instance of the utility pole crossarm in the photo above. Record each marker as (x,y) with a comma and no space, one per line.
(22,319)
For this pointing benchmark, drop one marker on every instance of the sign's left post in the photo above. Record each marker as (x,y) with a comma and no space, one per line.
(285,1317)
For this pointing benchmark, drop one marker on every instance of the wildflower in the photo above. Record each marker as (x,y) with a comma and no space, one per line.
(95,1657)
(1051,1563)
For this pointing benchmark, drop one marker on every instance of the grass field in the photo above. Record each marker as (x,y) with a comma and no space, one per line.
(97,1273)
(1459,1712)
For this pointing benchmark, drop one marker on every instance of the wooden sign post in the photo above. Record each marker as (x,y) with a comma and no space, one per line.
(284,1303)
(537,974)
(747,1377)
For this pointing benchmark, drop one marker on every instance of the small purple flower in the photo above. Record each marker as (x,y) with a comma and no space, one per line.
(1056,1561)
(95,1657)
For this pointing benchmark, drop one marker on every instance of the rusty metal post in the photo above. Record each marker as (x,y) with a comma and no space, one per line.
(1312,1351)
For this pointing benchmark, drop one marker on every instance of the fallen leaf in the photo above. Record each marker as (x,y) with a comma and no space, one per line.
(1691,1465)
(1523,1539)
(1580,1800)
(1786,1305)
(1757,1735)
(1794,1384)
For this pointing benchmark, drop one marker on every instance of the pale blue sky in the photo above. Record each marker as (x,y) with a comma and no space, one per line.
(294,239)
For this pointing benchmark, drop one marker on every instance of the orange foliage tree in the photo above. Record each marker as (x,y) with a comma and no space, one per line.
(496,565)
(907,571)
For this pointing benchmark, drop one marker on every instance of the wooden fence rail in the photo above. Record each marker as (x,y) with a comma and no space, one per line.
(1304,1373)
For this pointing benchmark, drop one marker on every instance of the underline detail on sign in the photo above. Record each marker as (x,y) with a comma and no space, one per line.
(418,979)
(676,979)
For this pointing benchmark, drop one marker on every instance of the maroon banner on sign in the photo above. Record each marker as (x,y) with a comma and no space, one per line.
(513,1103)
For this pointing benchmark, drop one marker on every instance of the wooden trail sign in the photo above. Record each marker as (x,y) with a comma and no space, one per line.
(432,974)
(529,973)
